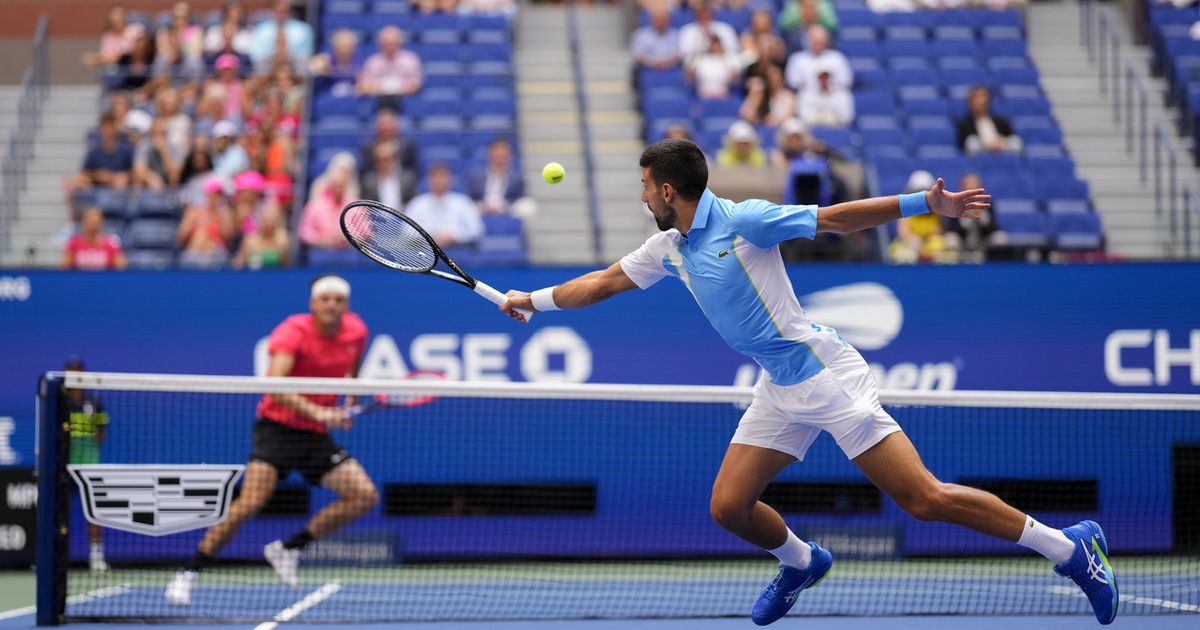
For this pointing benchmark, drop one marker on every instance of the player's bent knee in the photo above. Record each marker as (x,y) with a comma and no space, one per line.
(926,504)
(727,513)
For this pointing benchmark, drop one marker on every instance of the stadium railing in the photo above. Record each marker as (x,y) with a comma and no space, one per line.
(20,145)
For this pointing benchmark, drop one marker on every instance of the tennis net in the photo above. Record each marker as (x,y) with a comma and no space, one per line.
(527,501)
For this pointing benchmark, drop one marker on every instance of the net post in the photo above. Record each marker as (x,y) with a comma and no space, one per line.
(52,534)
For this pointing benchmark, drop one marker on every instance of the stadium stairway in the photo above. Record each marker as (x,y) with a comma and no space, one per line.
(548,111)
(1097,143)
(615,126)
(70,110)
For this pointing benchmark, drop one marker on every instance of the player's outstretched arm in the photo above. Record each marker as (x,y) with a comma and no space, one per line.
(583,291)
(852,216)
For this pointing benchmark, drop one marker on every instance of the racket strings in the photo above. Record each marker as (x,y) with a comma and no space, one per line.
(389,239)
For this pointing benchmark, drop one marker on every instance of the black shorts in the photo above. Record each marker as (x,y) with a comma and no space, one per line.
(285,448)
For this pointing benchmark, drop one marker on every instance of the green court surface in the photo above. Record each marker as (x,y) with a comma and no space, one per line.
(17,588)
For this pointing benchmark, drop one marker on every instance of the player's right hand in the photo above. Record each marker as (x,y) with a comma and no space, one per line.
(517,300)
(334,417)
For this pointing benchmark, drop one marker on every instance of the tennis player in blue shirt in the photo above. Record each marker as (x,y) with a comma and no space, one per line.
(727,255)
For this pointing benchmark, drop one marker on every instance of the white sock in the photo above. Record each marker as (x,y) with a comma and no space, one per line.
(97,549)
(793,552)
(1047,541)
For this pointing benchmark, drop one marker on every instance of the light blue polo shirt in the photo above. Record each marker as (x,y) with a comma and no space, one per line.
(730,262)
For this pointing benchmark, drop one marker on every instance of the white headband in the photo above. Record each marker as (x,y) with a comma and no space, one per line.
(331,284)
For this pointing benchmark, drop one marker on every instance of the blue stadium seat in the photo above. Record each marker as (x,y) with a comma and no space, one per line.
(718,123)
(1016,205)
(1003,47)
(837,138)
(1005,17)
(856,33)
(1068,206)
(162,204)
(503,242)
(720,108)
(859,48)
(479,23)
(149,259)
(358,23)
(390,6)
(943,135)
(1026,229)
(957,17)
(348,258)
(430,53)
(858,17)
(943,149)
(489,37)
(450,36)
(501,123)
(151,234)
(880,130)
(905,48)
(438,21)
(1077,231)
(945,34)
(869,72)
(649,78)
(433,102)
(667,104)
(900,32)
(334,7)
(956,48)
(874,103)
(327,105)
(483,102)
(448,123)
(912,19)
(1008,62)
(739,19)
(1027,76)
(657,128)
(1053,186)
(489,52)
(948,168)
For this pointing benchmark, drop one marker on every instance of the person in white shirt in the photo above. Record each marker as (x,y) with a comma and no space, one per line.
(801,71)
(826,104)
(695,38)
(714,71)
(451,218)
(981,130)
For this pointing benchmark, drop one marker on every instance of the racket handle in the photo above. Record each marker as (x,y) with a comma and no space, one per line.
(498,298)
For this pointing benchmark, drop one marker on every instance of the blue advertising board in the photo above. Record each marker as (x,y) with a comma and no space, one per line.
(1129,328)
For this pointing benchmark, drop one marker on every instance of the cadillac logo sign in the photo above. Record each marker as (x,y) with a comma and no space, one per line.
(155,499)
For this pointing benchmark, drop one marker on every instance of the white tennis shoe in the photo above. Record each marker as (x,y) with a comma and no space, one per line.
(179,591)
(286,562)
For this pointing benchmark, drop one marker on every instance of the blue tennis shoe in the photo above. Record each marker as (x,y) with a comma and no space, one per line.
(779,596)
(1090,570)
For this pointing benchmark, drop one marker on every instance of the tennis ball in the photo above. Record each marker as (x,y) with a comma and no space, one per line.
(553,173)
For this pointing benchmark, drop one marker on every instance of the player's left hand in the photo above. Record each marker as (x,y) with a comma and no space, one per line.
(967,204)
(517,300)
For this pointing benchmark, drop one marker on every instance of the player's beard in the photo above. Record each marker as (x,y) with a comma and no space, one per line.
(665,218)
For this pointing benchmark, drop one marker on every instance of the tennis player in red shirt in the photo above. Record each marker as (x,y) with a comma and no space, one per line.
(292,432)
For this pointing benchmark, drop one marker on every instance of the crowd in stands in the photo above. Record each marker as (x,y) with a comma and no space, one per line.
(899,86)
(198,155)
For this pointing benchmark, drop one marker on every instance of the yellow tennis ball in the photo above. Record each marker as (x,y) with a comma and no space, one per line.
(553,172)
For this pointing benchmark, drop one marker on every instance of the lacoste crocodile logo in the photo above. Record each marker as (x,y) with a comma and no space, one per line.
(723,253)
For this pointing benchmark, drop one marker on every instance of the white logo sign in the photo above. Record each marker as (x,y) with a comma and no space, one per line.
(8,456)
(155,499)
(867,314)
(1163,355)
(15,288)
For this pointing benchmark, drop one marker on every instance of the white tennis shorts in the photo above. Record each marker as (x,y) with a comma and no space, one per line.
(840,399)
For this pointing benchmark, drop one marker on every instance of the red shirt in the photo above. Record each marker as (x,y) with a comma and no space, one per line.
(96,256)
(315,355)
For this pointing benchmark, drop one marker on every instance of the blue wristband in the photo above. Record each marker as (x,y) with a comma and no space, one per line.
(913,204)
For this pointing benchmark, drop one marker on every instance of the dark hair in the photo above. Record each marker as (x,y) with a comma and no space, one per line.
(73,363)
(677,162)
(108,118)
(440,166)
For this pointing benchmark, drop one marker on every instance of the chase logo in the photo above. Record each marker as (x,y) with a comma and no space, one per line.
(867,314)
(155,499)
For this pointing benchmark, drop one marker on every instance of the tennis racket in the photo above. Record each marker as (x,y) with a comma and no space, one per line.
(392,401)
(394,240)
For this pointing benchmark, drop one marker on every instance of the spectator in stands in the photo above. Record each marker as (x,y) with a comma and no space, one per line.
(497,187)
(695,39)
(919,238)
(269,245)
(281,38)
(451,218)
(136,67)
(387,129)
(714,72)
(156,164)
(798,16)
(762,47)
(981,130)
(197,168)
(136,126)
(230,34)
(657,44)
(119,105)
(228,45)
(229,157)
(330,192)
(205,229)
(106,165)
(793,143)
(768,101)
(117,39)
(968,240)
(179,125)
(678,130)
(436,6)
(180,43)
(506,8)
(236,102)
(210,109)
(802,66)
(93,249)
(826,104)
(249,187)
(386,182)
(741,147)
(340,67)
(392,73)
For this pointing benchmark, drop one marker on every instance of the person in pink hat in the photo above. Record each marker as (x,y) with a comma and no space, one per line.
(227,66)
(206,229)
(249,187)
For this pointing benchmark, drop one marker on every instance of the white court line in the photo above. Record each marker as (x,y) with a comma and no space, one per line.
(100,593)
(1133,599)
(310,600)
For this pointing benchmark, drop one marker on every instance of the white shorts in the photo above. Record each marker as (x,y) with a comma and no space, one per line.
(840,399)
